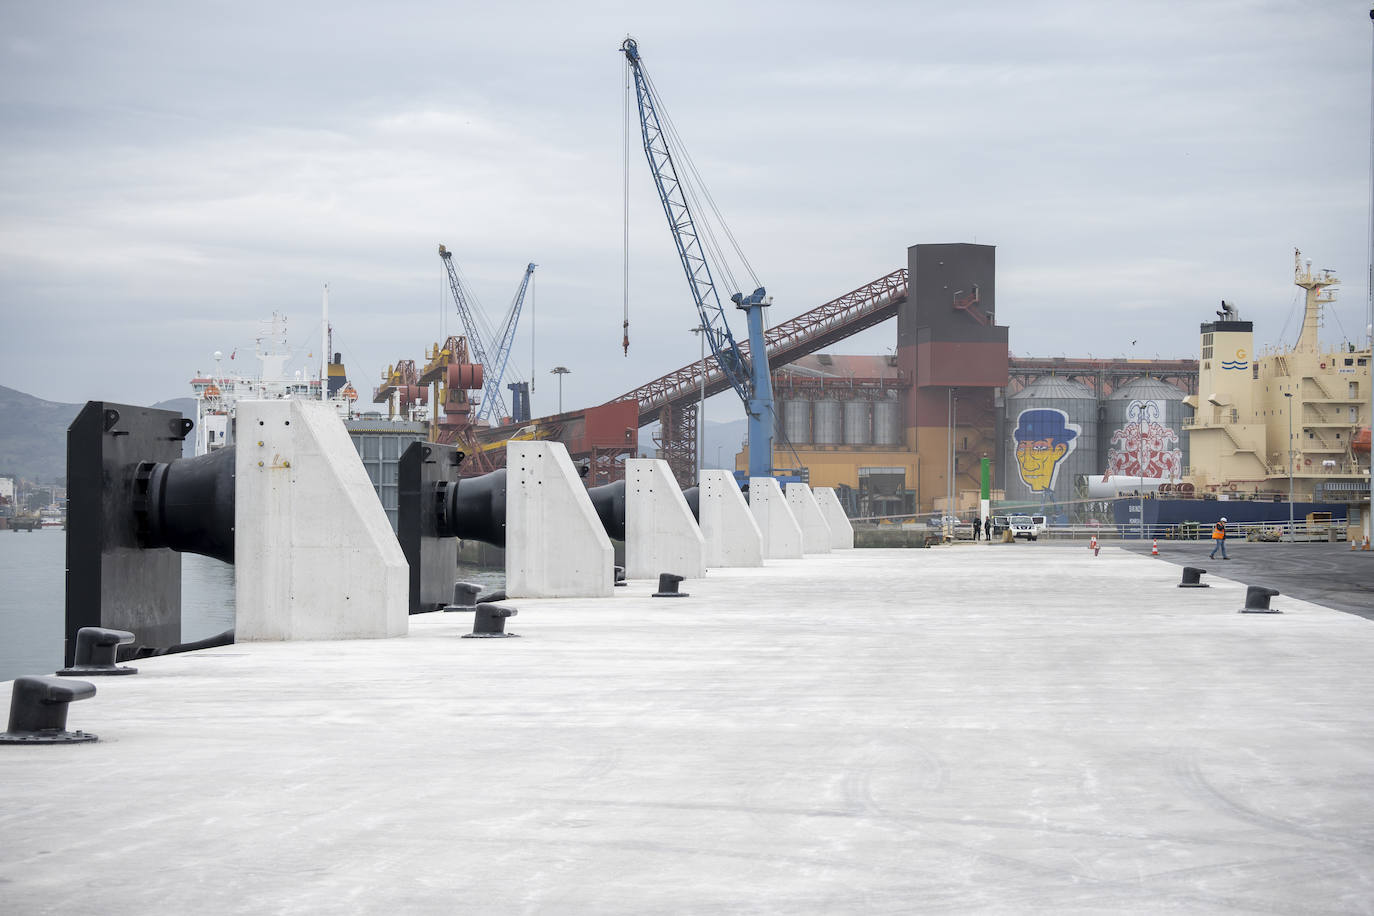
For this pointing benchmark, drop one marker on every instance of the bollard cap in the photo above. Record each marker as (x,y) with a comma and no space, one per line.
(667,586)
(38,711)
(490,622)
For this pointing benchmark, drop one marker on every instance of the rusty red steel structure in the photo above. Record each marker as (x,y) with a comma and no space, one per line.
(1103,376)
(870,304)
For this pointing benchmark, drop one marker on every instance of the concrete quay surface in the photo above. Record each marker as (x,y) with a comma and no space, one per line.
(1014,728)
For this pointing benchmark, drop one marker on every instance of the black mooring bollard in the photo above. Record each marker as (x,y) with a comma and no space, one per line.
(464,596)
(490,622)
(620,577)
(1257,600)
(1192,578)
(667,586)
(96,648)
(38,711)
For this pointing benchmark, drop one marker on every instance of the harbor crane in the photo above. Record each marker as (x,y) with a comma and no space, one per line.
(747,375)
(493,366)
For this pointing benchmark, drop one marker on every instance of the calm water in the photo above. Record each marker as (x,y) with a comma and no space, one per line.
(32,603)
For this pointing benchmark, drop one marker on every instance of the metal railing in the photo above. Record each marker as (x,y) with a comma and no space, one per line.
(1301,531)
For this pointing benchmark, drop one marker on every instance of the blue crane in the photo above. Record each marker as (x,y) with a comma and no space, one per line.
(749,376)
(492,369)
(491,389)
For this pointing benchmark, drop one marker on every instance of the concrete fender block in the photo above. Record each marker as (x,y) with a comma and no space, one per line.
(556,546)
(315,557)
(782,536)
(660,532)
(807,512)
(732,536)
(841,531)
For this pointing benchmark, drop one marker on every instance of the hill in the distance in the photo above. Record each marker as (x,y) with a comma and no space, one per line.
(33,434)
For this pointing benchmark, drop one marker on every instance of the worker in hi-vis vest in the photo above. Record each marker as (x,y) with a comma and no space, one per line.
(1219,540)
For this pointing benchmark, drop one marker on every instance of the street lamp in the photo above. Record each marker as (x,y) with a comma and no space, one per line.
(1289,396)
(950,487)
(1140,463)
(700,331)
(560,371)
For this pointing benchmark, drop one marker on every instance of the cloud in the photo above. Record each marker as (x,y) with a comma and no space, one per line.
(170,175)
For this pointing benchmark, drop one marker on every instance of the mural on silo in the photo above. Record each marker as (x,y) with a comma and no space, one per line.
(1044,438)
(1147,447)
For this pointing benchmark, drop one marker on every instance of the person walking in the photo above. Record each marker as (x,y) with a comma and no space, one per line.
(987,529)
(1219,540)
(977,528)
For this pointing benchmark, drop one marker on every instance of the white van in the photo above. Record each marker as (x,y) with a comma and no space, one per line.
(1040,523)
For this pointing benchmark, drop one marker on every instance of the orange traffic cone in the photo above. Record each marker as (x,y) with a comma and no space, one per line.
(1093,545)
(1366,543)
(1154,547)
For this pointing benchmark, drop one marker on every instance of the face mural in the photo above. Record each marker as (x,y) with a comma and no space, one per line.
(1044,438)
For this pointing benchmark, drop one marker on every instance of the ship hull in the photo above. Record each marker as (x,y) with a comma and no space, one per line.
(1207,512)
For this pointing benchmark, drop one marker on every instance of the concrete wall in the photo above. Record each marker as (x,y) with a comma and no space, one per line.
(315,556)
(841,531)
(782,536)
(732,536)
(815,532)
(555,545)
(660,533)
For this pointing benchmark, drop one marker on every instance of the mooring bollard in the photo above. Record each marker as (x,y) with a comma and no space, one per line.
(1257,600)
(464,596)
(490,622)
(38,711)
(1192,578)
(96,648)
(667,586)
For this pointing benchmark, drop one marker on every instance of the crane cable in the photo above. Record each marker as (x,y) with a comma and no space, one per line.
(625,205)
(700,192)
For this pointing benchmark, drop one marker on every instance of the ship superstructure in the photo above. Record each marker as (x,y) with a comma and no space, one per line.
(218,393)
(1247,403)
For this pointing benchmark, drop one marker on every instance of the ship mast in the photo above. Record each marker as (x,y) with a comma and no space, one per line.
(1317,296)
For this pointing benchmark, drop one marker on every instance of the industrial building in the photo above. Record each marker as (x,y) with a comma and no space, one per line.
(887,431)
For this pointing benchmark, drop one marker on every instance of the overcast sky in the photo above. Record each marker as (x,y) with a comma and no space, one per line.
(173,173)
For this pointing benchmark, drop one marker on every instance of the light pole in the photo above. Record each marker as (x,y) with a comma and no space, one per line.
(1289,396)
(700,331)
(1140,462)
(950,489)
(560,371)
(1369,293)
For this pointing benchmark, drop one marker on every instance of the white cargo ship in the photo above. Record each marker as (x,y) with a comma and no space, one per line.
(218,393)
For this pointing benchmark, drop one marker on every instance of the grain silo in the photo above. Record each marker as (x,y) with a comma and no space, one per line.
(1156,408)
(826,423)
(857,425)
(887,422)
(794,420)
(1051,440)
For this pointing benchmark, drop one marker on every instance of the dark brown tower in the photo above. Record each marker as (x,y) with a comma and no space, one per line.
(948,340)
